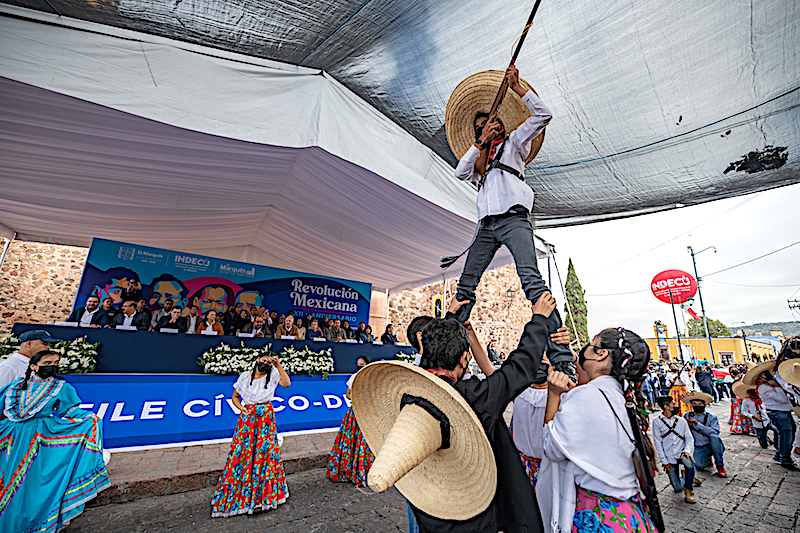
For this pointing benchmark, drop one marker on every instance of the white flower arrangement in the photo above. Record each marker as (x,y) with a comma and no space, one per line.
(404,357)
(77,356)
(228,360)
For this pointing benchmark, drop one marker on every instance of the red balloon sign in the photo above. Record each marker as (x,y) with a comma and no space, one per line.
(682,285)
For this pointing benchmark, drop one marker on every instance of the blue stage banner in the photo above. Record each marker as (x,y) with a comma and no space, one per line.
(212,283)
(145,410)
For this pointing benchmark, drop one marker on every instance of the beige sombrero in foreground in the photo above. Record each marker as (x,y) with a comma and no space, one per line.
(476,94)
(754,370)
(697,396)
(454,483)
(741,390)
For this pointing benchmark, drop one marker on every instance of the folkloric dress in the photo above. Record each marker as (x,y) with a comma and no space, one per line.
(51,456)
(740,424)
(350,458)
(578,488)
(528,422)
(679,390)
(253,477)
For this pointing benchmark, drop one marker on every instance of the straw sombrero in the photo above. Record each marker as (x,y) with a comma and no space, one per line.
(740,389)
(451,482)
(697,396)
(754,370)
(790,371)
(476,94)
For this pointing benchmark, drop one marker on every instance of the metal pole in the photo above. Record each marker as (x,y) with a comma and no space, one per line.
(677,329)
(702,307)
(6,246)
(746,351)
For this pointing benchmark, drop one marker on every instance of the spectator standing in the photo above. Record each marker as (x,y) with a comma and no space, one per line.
(388,337)
(313,331)
(132,292)
(193,320)
(90,316)
(173,321)
(348,332)
(779,409)
(164,311)
(287,328)
(31,343)
(705,380)
(335,333)
(210,323)
(129,316)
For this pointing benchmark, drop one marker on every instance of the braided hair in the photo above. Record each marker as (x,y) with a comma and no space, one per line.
(255,364)
(786,353)
(630,356)
(38,356)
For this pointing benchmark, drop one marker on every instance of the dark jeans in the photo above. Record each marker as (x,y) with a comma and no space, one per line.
(761,433)
(516,232)
(702,454)
(709,389)
(675,476)
(649,398)
(721,390)
(783,421)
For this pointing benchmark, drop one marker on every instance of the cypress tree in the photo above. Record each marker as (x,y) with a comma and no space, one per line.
(575,307)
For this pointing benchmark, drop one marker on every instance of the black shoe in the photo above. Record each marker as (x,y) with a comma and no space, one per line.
(791,466)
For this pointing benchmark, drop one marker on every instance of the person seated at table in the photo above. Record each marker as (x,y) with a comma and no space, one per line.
(360,334)
(301,330)
(169,303)
(210,323)
(335,333)
(240,322)
(173,321)
(287,329)
(368,336)
(230,318)
(193,320)
(129,316)
(313,331)
(109,310)
(257,328)
(389,337)
(347,330)
(327,325)
(272,323)
(141,306)
(89,316)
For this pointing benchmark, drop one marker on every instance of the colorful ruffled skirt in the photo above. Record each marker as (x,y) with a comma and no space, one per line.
(597,512)
(532,465)
(740,424)
(350,457)
(253,477)
(677,393)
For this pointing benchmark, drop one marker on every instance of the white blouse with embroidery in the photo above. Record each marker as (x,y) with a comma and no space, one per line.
(255,392)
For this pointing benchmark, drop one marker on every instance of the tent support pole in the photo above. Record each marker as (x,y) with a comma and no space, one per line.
(6,247)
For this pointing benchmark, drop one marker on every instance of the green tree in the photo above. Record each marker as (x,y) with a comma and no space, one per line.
(715,327)
(575,307)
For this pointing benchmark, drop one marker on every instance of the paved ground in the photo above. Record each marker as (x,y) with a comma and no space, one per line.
(759,496)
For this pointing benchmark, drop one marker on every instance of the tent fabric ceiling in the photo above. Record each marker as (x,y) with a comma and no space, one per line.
(654,80)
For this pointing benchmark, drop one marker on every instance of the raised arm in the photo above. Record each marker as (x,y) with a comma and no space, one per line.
(485,364)
(540,114)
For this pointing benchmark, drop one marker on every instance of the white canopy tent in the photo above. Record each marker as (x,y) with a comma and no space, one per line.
(110,133)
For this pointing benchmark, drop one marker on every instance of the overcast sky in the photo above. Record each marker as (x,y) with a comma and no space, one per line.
(761,223)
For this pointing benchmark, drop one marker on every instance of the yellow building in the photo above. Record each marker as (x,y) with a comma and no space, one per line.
(727,350)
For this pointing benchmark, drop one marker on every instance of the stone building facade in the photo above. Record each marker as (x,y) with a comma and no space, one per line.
(38,283)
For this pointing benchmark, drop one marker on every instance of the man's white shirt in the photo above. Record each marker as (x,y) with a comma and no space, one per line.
(13,368)
(128,320)
(671,447)
(501,191)
(86,318)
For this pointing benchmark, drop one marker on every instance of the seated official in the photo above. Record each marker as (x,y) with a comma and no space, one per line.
(705,431)
(389,337)
(210,323)
(335,333)
(109,310)
(156,317)
(287,329)
(193,320)
(348,331)
(141,306)
(90,316)
(313,331)
(173,321)
(258,328)
(129,316)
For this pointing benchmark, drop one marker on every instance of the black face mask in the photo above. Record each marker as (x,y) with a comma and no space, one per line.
(262,366)
(699,409)
(49,371)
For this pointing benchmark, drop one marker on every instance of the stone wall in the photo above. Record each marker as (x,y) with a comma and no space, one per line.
(38,282)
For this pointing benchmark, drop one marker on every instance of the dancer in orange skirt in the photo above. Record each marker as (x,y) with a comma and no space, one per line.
(254,478)
(350,458)
(678,389)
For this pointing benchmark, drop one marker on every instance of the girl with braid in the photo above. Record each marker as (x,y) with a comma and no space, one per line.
(254,478)
(51,451)
(597,460)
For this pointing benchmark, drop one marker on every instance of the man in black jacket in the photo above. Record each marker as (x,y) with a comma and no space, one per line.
(173,321)
(90,316)
(129,316)
(446,348)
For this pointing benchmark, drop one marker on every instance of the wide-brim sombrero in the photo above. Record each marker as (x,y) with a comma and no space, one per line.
(697,396)
(790,371)
(476,94)
(455,483)
(755,369)
(741,389)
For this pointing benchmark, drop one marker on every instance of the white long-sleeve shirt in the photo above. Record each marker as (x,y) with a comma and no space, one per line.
(529,410)
(501,191)
(750,409)
(671,447)
(774,398)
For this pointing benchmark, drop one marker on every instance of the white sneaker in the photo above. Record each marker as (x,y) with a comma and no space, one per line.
(106,456)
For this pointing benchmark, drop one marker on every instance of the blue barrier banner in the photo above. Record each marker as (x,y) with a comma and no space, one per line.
(212,284)
(140,410)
